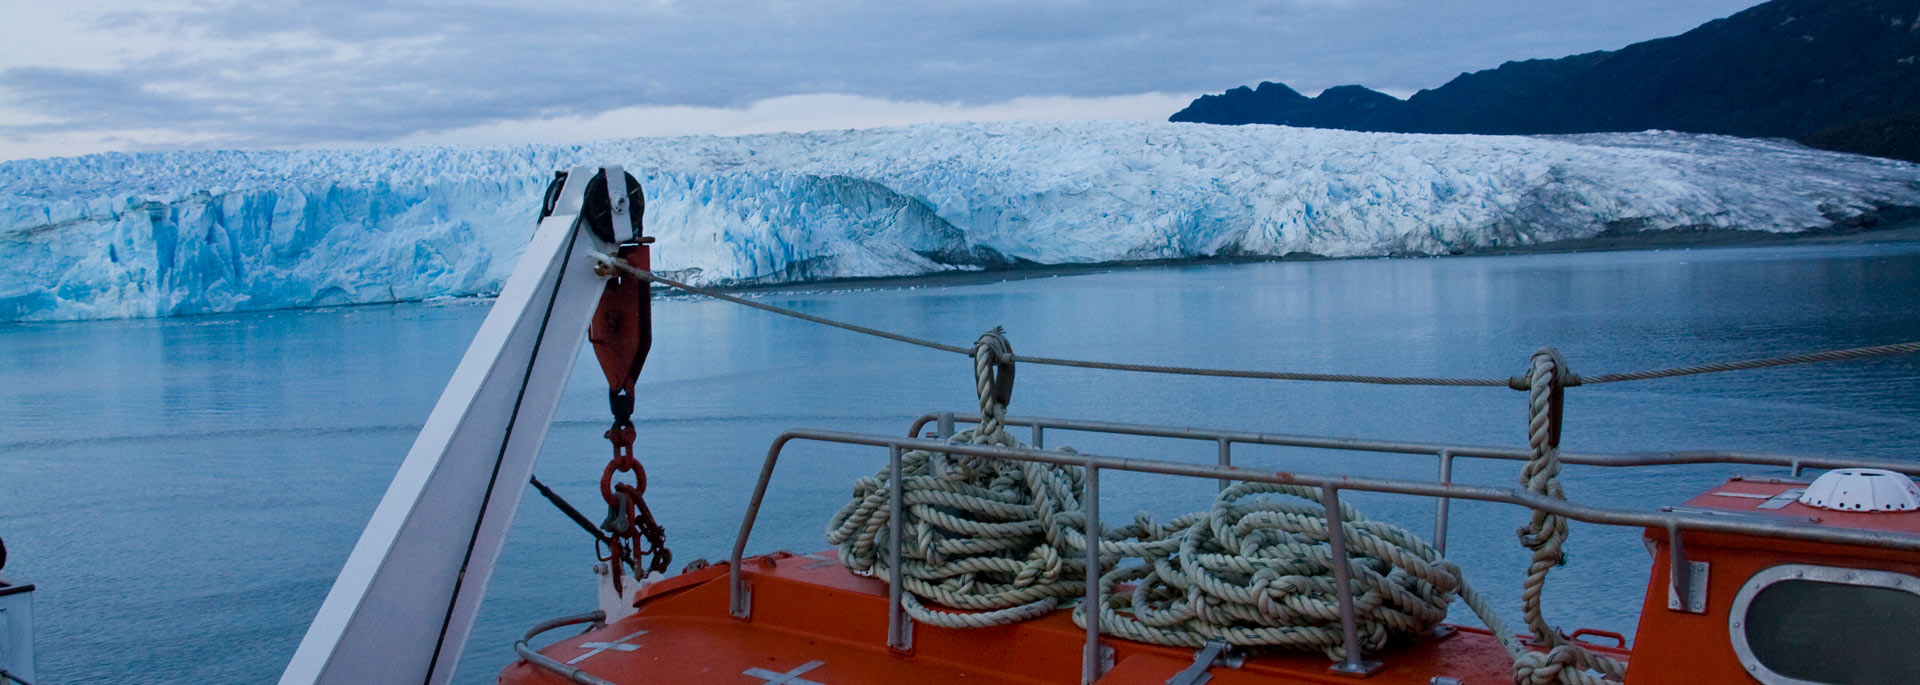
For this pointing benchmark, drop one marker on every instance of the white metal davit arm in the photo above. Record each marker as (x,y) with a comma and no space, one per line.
(405,601)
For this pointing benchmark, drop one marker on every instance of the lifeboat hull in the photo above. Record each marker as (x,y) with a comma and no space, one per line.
(814,622)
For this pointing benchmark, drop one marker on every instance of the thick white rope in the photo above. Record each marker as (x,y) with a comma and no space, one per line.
(991,536)
(1546,534)
(1258,571)
(1003,541)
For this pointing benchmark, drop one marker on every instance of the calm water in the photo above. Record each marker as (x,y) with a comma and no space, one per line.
(183,491)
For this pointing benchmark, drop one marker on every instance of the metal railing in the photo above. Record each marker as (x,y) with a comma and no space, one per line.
(570,672)
(1675,522)
(1444,454)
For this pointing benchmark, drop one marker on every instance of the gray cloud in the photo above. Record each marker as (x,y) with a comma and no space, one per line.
(82,99)
(263,73)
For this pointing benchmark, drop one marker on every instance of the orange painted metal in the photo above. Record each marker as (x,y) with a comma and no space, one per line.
(1679,647)
(622,328)
(807,608)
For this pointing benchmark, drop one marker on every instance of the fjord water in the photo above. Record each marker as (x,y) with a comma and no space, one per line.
(184,490)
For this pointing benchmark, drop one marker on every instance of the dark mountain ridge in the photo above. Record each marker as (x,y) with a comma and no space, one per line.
(1838,74)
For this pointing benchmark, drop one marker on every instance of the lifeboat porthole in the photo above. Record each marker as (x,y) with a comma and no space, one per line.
(1798,624)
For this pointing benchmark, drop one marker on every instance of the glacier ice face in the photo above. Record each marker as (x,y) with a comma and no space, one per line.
(156,234)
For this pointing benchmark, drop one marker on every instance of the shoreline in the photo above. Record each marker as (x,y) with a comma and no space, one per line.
(1901,232)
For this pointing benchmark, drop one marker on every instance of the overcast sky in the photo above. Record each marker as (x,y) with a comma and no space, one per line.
(79,77)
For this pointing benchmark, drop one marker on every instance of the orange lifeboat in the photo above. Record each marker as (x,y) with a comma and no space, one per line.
(1773,592)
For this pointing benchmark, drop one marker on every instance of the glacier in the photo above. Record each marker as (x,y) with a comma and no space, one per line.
(193,232)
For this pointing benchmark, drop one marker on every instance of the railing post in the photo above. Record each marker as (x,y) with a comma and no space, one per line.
(739,593)
(899,625)
(1353,664)
(943,429)
(1090,666)
(1226,459)
(1442,504)
(1039,436)
(1685,592)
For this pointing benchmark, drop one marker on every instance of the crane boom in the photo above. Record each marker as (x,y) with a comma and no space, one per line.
(403,605)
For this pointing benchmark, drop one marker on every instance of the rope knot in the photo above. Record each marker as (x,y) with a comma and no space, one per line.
(1566,663)
(993,382)
(1043,564)
(993,365)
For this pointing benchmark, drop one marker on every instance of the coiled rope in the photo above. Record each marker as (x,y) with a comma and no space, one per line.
(1258,571)
(1004,540)
(988,542)
(991,536)
(1516,382)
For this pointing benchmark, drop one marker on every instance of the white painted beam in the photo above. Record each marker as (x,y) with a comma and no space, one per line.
(404,603)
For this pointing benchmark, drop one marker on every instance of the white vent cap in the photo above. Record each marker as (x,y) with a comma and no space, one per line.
(1862,490)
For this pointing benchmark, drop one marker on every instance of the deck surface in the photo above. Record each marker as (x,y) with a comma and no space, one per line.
(1778,499)
(814,622)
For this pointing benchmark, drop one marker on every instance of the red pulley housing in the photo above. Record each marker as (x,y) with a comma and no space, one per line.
(622,329)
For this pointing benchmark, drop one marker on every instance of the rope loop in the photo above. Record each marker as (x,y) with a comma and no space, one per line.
(1546,534)
(993,377)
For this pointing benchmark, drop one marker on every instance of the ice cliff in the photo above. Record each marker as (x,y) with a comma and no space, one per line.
(156,234)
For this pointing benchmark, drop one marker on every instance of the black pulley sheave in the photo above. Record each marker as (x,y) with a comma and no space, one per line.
(596,209)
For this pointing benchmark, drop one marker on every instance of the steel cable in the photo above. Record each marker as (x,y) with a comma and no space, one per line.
(1811,357)
(1517,382)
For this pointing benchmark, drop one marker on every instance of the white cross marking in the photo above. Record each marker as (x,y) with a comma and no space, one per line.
(616,645)
(789,678)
